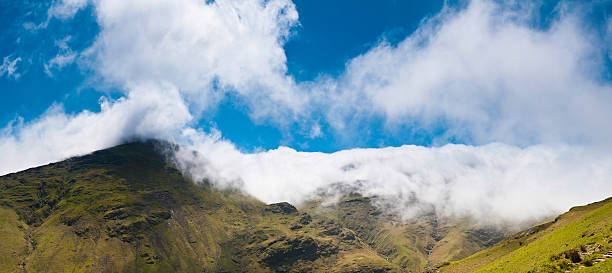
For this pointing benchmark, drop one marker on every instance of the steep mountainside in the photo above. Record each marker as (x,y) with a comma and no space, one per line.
(579,240)
(127,209)
(416,245)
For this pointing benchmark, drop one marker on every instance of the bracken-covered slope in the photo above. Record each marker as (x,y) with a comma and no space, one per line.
(579,240)
(127,209)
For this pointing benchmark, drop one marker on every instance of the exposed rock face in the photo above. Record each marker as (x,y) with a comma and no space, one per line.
(281,208)
(287,251)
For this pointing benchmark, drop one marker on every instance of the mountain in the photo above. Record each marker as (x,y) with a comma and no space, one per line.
(579,240)
(128,209)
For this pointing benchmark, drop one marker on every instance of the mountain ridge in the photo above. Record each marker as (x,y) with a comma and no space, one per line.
(573,241)
(129,209)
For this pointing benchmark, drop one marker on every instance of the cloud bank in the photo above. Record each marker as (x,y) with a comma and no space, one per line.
(492,183)
(483,72)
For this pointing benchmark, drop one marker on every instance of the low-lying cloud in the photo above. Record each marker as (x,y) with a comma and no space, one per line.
(482,72)
(491,183)
(146,112)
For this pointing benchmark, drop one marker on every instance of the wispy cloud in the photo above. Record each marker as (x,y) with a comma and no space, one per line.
(59,62)
(65,57)
(59,9)
(9,67)
(66,9)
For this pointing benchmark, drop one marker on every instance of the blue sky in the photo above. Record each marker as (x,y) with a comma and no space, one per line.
(34,91)
(322,43)
(326,37)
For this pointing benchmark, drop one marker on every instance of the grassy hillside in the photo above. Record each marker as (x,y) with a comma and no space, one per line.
(575,241)
(417,245)
(126,209)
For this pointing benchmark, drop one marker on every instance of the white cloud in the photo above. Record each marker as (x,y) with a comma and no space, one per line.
(189,51)
(494,182)
(59,9)
(205,50)
(315,131)
(59,62)
(66,9)
(66,56)
(147,111)
(489,75)
(9,67)
(484,70)
(187,48)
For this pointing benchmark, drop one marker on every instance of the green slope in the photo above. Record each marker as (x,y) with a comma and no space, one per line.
(126,209)
(417,245)
(574,241)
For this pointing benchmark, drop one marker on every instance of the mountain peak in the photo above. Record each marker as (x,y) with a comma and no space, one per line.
(127,209)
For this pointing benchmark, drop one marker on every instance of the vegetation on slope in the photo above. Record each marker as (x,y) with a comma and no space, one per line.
(126,209)
(417,245)
(575,241)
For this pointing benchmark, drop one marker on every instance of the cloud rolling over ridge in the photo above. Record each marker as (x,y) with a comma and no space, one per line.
(491,183)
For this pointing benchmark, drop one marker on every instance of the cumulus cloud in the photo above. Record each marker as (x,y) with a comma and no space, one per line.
(489,75)
(204,49)
(482,71)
